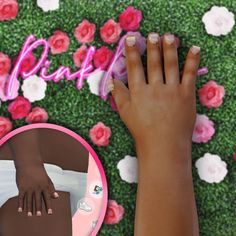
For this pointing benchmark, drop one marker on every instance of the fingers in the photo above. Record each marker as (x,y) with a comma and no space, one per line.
(136,77)
(21,201)
(29,198)
(38,203)
(47,200)
(171,66)
(53,192)
(154,59)
(190,68)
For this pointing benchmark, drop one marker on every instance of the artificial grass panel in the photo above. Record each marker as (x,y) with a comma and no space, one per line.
(79,110)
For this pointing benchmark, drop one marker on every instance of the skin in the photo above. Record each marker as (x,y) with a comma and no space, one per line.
(160,112)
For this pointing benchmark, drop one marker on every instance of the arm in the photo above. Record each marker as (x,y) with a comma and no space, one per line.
(160,115)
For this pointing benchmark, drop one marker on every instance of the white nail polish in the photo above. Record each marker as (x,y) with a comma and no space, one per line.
(130,40)
(29,213)
(195,49)
(169,38)
(110,85)
(38,213)
(19,209)
(49,211)
(153,38)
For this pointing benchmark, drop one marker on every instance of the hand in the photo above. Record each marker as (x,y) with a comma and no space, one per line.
(34,185)
(164,106)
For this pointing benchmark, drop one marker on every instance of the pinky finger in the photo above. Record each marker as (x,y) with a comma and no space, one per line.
(21,201)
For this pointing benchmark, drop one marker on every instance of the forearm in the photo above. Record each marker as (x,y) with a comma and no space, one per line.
(165,199)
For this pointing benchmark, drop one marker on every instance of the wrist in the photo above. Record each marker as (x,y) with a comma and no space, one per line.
(28,163)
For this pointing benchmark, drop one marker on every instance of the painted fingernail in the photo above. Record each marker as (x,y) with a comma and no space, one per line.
(169,38)
(29,213)
(195,49)
(110,85)
(38,213)
(49,211)
(153,38)
(130,40)
(56,195)
(19,209)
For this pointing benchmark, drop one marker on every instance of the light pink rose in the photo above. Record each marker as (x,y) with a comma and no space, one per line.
(85,31)
(119,70)
(211,94)
(3,81)
(102,57)
(114,213)
(5,64)
(100,134)
(110,31)
(79,55)
(5,126)
(130,19)
(37,115)
(8,9)
(59,42)
(203,130)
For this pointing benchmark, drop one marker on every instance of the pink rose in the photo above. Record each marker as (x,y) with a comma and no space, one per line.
(8,9)
(110,31)
(85,31)
(102,57)
(5,64)
(79,55)
(119,70)
(3,81)
(19,108)
(203,130)
(234,156)
(100,134)
(28,63)
(59,42)
(114,213)
(37,115)
(113,103)
(211,94)
(130,19)
(5,126)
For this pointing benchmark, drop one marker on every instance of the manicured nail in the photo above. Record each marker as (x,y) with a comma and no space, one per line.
(50,211)
(56,195)
(195,49)
(153,38)
(130,40)
(19,209)
(110,85)
(169,38)
(29,213)
(38,213)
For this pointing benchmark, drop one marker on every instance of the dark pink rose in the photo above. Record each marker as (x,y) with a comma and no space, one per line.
(114,213)
(211,94)
(5,64)
(130,19)
(5,126)
(85,31)
(110,31)
(28,63)
(8,9)
(19,108)
(37,115)
(203,130)
(79,55)
(102,57)
(59,42)
(100,134)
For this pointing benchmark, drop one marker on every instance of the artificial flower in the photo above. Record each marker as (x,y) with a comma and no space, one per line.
(3,81)
(234,156)
(34,88)
(130,19)
(119,70)
(59,42)
(5,126)
(5,64)
(28,63)
(128,169)
(48,5)
(114,213)
(203,129)
(94,80)
(79,55)
(85,31)
(102,57)
(8,9)
(19,108)
(218,21)
(100,134)
(211,168)
(202,71)
(211,94)
(37,115)
(110,31)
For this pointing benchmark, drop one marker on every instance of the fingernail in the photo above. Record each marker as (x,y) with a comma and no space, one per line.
(38,213)
(195,49)
(56,195)
(49,211)
(29,213)
(169,38)
(130,40)
(110,85)
(153,38)
(19,209)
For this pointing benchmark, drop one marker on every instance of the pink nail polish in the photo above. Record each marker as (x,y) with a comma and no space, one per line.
(153,38)
(38,213)
(169,38)
(19,209)
(49,211)
(130,40)
(56,195)
(195,49)
(29,214)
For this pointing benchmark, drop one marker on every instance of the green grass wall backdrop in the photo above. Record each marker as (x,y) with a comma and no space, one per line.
(80,110)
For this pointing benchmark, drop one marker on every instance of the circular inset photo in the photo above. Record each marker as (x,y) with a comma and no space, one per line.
(51,183)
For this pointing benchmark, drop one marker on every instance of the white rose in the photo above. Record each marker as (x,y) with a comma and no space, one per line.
(128,169)
(48,5)
(34,88)
(211,168)
(218,21)
(94,80)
